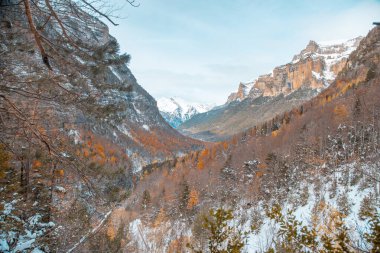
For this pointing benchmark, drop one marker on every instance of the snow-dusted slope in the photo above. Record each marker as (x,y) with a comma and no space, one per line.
(331,52)
(176,110)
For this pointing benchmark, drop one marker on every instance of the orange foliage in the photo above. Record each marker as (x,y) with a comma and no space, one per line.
(205,153)
(200,164)
(60,173)
(86,152)
(213,153)
(193,199)
(111,233)
(259,174)
(202,157)
(113,159)
(100,150)
(37,164)
(262,166)
(275,133)
(178,245)
(340,111)
(160,218)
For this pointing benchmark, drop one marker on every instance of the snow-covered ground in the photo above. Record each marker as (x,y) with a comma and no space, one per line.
(321,203)
(26,233)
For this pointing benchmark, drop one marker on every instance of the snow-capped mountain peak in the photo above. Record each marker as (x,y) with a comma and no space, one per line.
(176,110)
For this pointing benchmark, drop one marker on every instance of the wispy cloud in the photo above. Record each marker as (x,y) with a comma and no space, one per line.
(200,50)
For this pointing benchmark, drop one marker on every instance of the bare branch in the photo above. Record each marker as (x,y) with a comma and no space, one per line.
(132,3)
(36,34)
(99,12)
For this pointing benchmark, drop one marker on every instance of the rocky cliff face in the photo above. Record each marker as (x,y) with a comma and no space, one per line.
(242,93)
(122,111)
(314,67)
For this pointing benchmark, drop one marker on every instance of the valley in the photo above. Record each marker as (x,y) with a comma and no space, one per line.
(92,162)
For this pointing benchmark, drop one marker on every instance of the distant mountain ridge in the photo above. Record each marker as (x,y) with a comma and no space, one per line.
(176,110)
(287,86)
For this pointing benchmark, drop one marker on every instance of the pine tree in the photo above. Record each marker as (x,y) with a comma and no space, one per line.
(184,195)
(222,237)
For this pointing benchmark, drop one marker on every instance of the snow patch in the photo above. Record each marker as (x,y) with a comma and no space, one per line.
(176,110)
(124,130)
(75,134)
(115,73)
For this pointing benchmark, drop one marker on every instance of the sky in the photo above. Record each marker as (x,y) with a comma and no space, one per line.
(200,50)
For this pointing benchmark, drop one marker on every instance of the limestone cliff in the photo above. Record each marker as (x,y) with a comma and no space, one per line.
(315,67)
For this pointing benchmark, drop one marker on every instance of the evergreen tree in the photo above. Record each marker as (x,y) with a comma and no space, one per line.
(222,237)
(145,199)
(184,195)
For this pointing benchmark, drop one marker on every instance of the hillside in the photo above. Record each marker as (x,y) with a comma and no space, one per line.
(76,127)
(318,159)
(288,86)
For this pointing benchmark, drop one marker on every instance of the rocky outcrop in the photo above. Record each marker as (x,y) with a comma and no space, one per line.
(315,67)
(243,91)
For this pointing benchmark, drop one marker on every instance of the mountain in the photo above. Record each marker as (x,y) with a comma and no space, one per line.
(76,128)
(316,164)
(176,110)
(289,85)
(242,92)
(88,164)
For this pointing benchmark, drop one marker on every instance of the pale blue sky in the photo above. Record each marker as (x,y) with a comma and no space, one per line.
(200,50)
